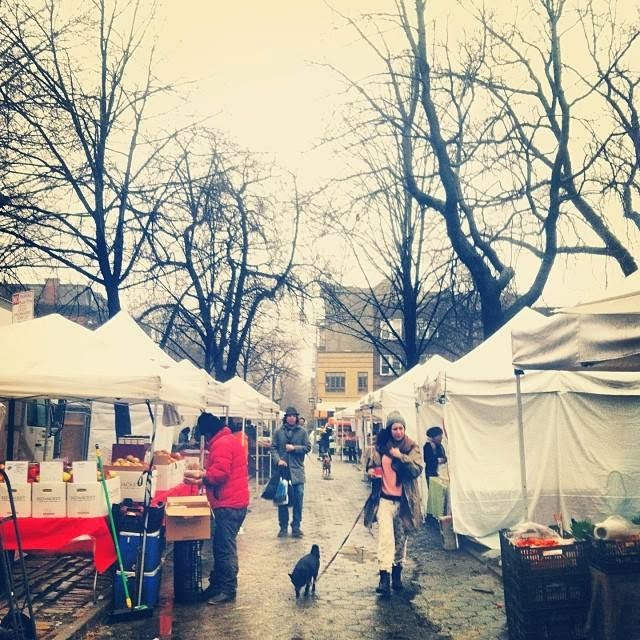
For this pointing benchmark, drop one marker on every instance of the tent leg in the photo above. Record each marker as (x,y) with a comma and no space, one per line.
(523,465)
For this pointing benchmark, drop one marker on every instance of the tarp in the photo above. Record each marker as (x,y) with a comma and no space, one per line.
(246,402)
(52,357)
(581,439)
(180,385)
(601,334)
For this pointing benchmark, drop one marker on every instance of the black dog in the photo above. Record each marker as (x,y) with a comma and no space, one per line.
(305,573)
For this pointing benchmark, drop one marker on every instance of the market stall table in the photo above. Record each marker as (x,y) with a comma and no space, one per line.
(64,535)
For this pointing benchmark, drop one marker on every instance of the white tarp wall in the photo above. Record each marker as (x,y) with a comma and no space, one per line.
(582,442)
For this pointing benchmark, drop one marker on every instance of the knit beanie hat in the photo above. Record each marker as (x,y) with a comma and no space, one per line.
(208,424)
(393,417)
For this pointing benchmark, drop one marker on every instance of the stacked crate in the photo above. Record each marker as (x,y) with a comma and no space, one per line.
(546,590)
(615,569)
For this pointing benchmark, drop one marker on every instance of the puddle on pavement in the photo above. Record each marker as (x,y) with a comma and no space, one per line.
(357,554)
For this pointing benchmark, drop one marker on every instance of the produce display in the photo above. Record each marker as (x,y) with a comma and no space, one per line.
(33,472)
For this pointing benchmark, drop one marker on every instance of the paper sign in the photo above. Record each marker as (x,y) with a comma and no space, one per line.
(85,471)
(51,471)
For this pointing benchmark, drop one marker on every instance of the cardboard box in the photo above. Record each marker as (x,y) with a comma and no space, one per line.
(86,499)
(48,500)
(85,471)
(51,471)
(21,492)
(187,518)
(129,478)
(165,476)
(17,470)
(123,450)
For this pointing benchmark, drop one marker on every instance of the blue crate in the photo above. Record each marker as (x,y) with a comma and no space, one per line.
(130,543)
(150,588)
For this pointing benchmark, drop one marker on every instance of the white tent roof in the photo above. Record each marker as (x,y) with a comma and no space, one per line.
(56,358)
(245,401)
(601,334)
(404,387)
(180,384)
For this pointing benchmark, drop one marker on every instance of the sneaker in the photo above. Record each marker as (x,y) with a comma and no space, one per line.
(296,533)
(222,598)
(283,533)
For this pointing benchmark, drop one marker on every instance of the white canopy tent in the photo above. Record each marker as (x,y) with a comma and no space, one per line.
(601,334)
(52,357)
(568,420)
(246,402)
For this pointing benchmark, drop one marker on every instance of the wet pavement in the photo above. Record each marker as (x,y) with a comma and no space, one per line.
(449,594)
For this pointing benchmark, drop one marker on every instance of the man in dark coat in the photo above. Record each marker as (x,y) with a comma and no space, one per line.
(289,446)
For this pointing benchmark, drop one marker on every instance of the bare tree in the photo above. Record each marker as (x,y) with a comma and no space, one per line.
(486,138)
(78,162)
(222,249)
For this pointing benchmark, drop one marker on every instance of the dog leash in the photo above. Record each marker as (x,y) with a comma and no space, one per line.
(335,555)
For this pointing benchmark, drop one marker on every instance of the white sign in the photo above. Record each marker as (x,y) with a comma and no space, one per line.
(22,306)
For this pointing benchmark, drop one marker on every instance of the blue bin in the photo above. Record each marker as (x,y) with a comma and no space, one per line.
(150,588)
(130,542)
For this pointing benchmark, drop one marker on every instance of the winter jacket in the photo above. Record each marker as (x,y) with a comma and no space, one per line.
(299,438)
(226,476)
(431,458)
(408,469)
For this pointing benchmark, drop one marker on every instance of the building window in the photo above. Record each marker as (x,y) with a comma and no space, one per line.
(390,329)
(363,381)
(389,365)
(334,382)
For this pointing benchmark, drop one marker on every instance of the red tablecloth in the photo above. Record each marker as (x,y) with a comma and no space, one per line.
(59,535)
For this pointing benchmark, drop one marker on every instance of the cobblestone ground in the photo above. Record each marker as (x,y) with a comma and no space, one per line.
(441,601)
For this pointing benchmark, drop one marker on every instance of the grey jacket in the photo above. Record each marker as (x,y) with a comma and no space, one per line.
(298,437)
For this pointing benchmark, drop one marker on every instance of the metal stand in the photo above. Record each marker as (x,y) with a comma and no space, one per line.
(19,621)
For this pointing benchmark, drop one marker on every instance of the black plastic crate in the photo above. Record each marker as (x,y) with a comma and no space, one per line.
(548,591)
(187,571)
(525,561)
(567,623)
(615,556)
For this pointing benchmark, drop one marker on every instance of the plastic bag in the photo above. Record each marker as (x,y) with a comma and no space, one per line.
(282,492)
(532,534)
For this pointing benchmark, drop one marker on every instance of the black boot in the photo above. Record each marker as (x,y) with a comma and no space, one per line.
(396,577)
(384,588)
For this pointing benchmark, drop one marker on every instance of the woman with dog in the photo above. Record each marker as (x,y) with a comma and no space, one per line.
(397,463)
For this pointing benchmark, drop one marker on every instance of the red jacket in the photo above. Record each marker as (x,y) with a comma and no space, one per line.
(227,479)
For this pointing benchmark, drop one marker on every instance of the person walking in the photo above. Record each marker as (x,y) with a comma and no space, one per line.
(289,446)
(397,464)
(227,483)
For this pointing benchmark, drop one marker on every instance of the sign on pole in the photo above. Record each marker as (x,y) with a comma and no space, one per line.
(22,306)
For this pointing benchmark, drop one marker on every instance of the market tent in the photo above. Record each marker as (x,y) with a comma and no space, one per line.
(128,341)
(400,394)
(568,418)
(246,402)
(52,357)
(601,334)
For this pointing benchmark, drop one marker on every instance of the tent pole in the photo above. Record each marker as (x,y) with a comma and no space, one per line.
(523,467)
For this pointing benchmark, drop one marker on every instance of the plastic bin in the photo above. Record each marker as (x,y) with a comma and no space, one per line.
(527,561)
(547,592)
(130,544)
(150,588)
(547,624)
(615,556)
(187,571)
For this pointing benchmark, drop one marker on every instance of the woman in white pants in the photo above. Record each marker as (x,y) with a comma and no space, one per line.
(397,464)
